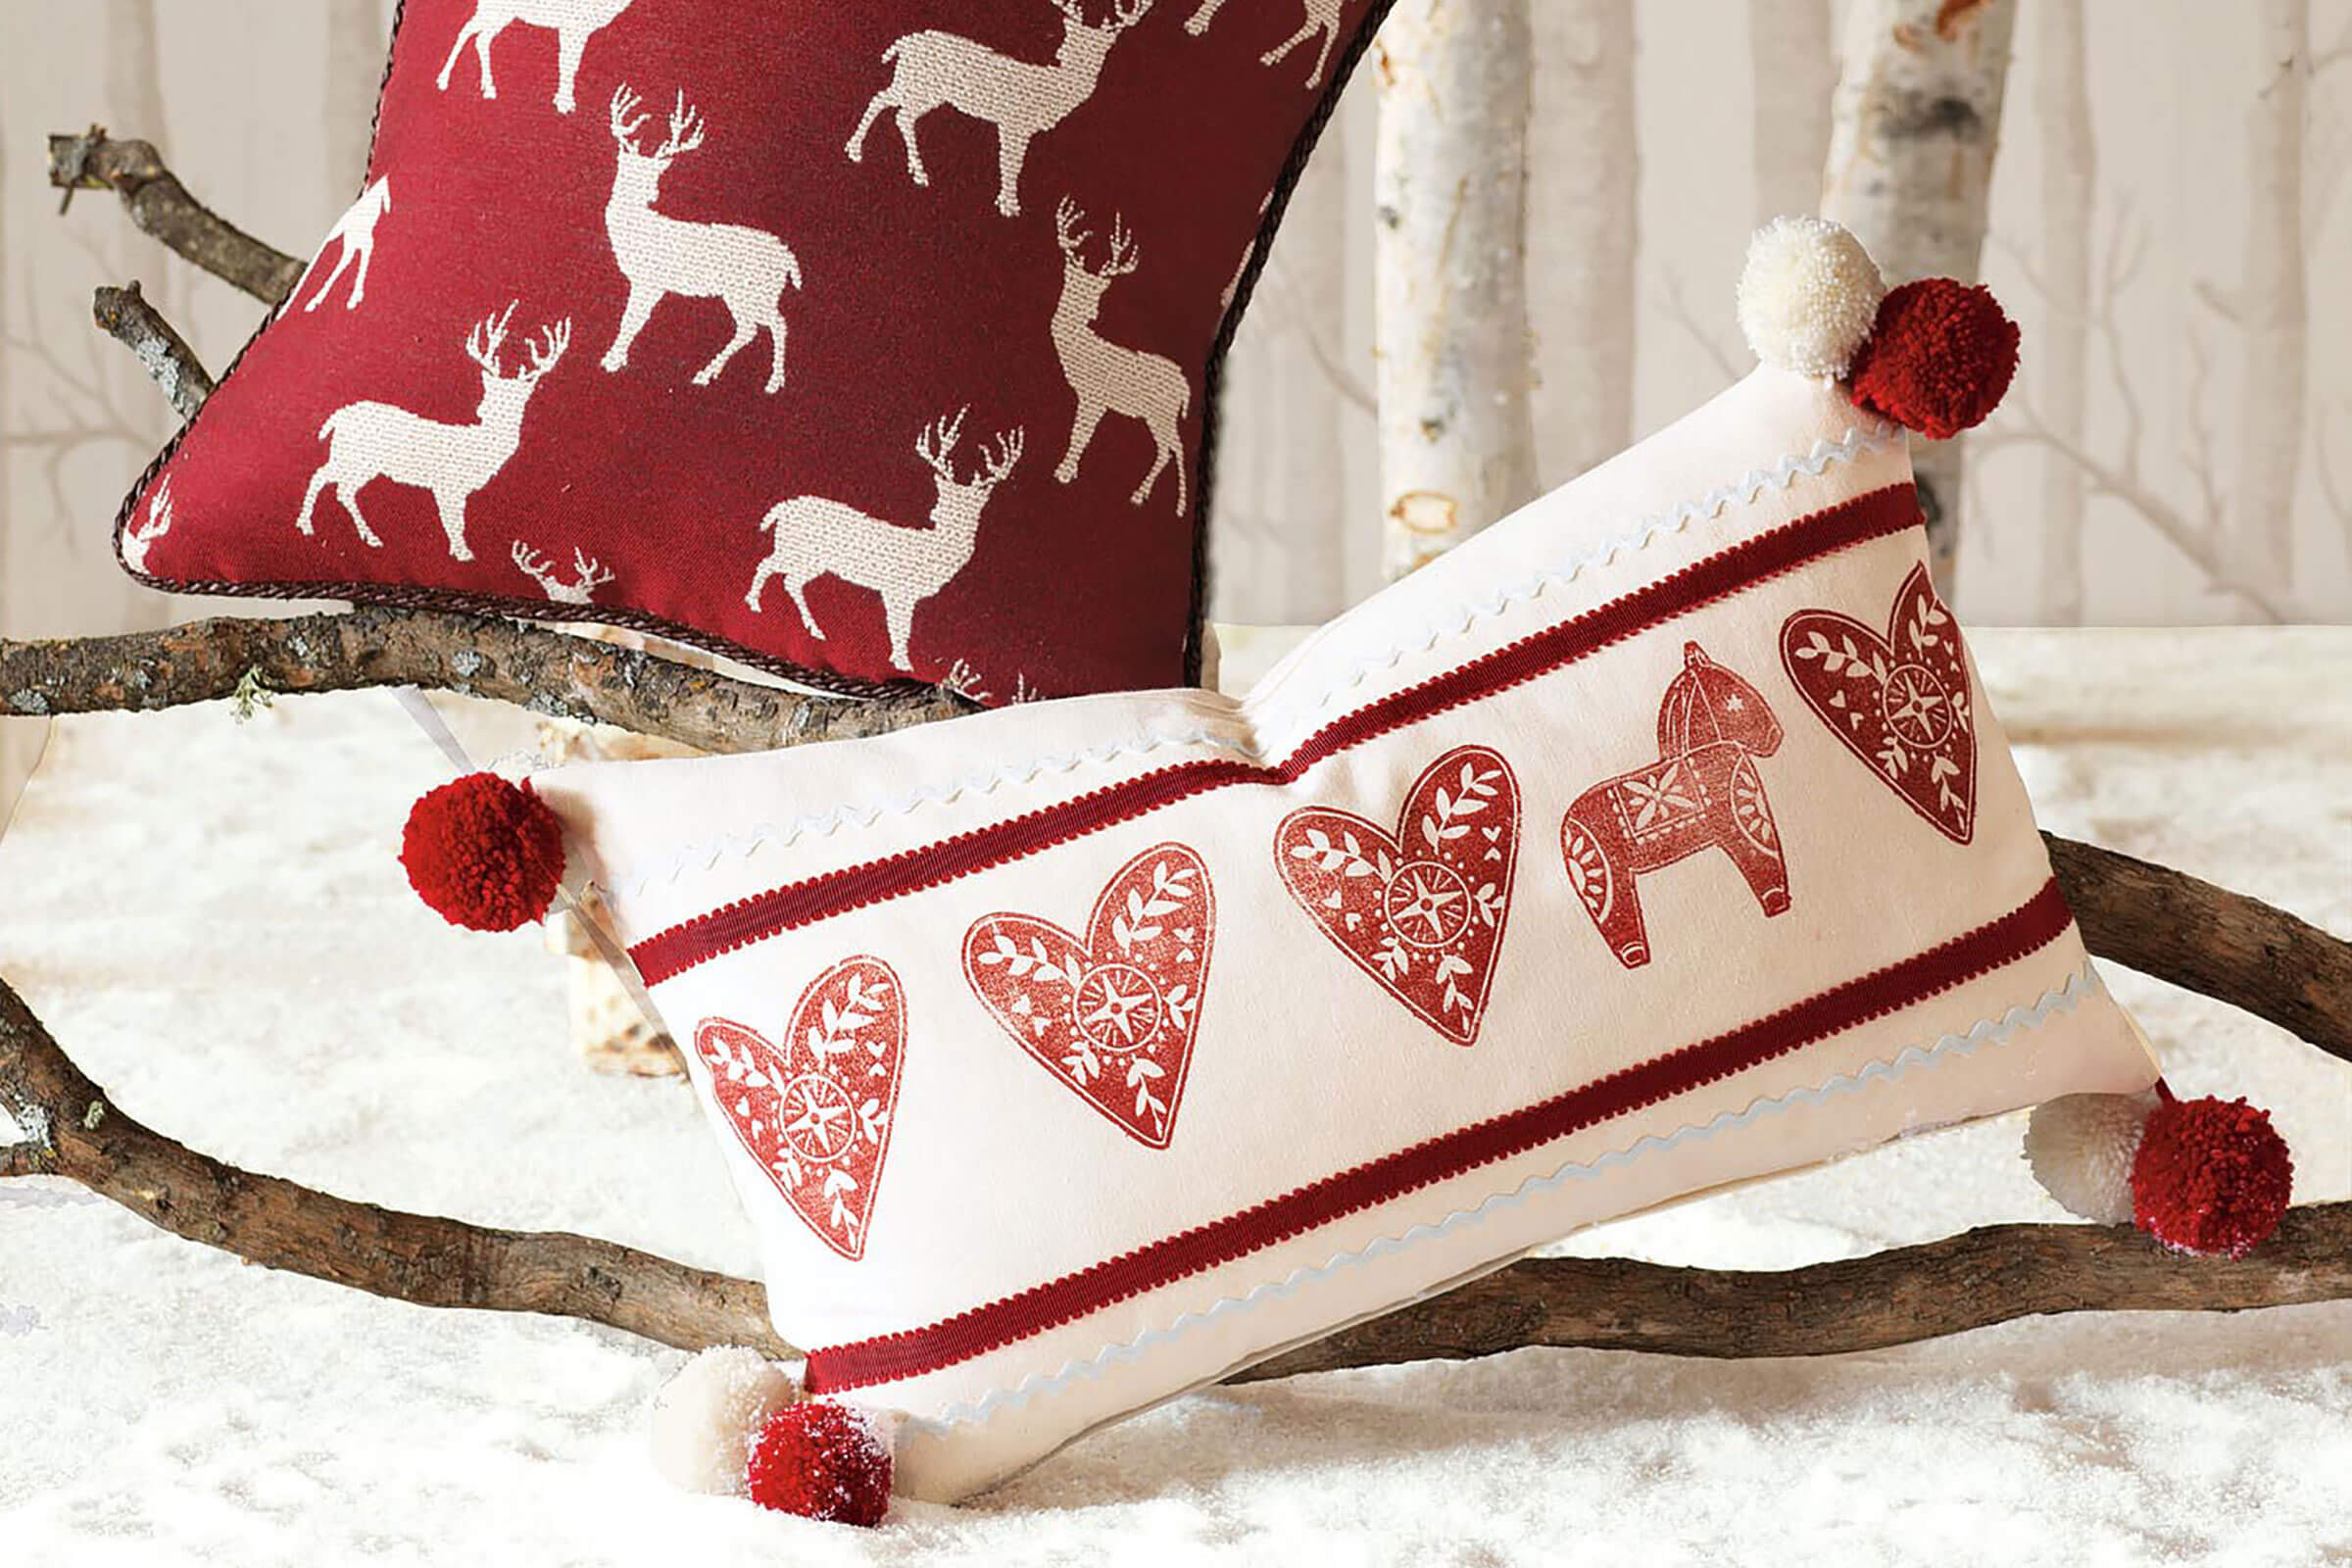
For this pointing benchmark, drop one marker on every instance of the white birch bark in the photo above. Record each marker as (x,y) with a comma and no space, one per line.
(1793,66)
(2257,521)
(2061,348)
(1456,444)
(1584,231)
(355,70)
(1913,125)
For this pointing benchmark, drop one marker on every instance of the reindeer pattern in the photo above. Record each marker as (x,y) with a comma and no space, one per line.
(1023,99)
(1702,793)
(354,237)
(1107,377)
(663,255)
(139,538)
(372,441)
(573,21)
(815,537)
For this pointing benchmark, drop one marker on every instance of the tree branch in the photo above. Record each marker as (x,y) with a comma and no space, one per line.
(2207,938)
(127,316)
(161,206)
(1894,1298)
(430,1261)
(2175,926)
(544,671)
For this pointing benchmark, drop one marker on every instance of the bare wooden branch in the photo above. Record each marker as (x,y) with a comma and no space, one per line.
(1894,1298)
(2240,950)
(2211,941)
(545,671)
(127,316)
(161,206)
(79,1134)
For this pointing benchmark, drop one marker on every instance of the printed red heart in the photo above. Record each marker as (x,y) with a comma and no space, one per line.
(815,1115)
(1900,702)
(1113,1016)
(1421,912)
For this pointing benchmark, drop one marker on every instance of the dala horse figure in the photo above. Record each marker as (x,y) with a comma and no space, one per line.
(1702,793)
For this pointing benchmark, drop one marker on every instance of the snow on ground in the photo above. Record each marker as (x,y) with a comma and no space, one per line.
(210,918)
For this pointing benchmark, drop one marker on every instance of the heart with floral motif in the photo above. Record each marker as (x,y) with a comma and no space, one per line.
(1422,911)
(1900,702)
(814,1114)
(1112,1015)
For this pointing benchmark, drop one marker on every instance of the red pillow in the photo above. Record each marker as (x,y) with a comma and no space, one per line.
(863,342)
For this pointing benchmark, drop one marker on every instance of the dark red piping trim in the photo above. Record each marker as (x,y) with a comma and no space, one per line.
(665,955)
(2025,930)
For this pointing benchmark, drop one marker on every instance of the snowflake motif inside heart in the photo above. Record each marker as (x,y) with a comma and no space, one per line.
(1421,912)
(1113,1016)
(815,1115)
(1899,701)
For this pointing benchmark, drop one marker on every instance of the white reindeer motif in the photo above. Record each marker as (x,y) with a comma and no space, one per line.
(746,268)
(370,441)
(588,574)
(1107,377)
(1023,100)
(573,23)
(815,536)
(355,232)
(1322,16)
(137,540)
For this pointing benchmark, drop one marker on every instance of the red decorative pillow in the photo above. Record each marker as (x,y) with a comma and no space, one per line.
(863,342)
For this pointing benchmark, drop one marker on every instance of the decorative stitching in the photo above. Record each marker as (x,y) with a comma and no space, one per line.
(1990,1030)
(1857,442)
(1875,513)
(895,1357)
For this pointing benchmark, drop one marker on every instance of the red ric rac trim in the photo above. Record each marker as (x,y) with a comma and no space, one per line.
(891,1357)
(667,954)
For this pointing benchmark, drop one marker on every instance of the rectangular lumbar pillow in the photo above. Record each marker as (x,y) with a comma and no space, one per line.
(864,342)
(1074,1055)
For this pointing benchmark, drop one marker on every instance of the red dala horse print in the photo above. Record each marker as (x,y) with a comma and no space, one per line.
(1702,793)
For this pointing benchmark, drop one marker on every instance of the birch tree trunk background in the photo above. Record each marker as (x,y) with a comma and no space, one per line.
(2062,357)
(1793,61)
(1449,205)
(1915,123)
(2269,307)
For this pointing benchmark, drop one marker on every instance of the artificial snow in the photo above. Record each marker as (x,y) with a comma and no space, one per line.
(212,919)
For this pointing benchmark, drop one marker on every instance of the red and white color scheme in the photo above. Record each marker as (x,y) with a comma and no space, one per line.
(1900,701)
(1702,793)
(815,1111)
(1038,1269)
(1114,1015)
(710,181)
(1421,910)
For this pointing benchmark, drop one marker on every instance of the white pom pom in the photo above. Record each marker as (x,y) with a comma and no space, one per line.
(1808,296)
(2081,1147)
(706,1417)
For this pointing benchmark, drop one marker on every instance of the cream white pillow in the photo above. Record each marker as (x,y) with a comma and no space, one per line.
(1074,1055)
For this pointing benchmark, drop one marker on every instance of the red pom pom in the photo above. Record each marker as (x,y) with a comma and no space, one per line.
(821,1460)
(485,854)
(2212,1176)
(1938,359)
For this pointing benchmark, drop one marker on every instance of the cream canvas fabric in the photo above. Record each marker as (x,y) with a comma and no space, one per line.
(1076,1053)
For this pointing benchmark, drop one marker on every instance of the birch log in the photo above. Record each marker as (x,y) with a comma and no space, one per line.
(2061,348)
(2258,521)
(1584,231)
(1456,443)
(1913,128)
(1793,66)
